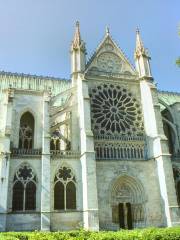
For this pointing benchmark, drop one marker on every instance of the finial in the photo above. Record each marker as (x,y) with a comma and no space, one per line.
(107,30)
(140,49)
(137,30)
(77,37)
(77,24)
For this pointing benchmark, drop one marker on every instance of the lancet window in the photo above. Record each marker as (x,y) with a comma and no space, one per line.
(64,189)
(57,139)
(24,189)
(26,131)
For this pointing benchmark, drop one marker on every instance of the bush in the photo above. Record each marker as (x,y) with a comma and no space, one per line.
(144,234)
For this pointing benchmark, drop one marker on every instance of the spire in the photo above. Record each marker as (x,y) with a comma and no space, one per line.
(140,49)
(142,57)
(78,52)
(77,41)
(77,37)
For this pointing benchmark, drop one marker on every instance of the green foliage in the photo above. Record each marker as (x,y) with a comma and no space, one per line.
(178,62)
(144,234)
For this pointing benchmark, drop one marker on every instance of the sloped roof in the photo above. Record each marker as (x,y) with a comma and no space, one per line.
(169,98)
(33,82)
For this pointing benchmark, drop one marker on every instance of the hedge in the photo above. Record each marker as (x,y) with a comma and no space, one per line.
(145,234)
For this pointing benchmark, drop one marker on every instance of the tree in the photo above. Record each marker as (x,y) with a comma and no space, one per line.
(178,62)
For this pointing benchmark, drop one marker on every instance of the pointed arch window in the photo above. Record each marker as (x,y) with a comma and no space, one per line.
(64,189)
(26,131)
(55,140)
(24,189)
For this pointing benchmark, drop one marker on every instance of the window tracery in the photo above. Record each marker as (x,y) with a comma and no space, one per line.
(64,189)
(26,131)
(115,111)
(55,141)
(56,138)
(24,189)
(109,62)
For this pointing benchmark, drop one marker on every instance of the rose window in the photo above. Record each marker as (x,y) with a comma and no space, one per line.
(115,111)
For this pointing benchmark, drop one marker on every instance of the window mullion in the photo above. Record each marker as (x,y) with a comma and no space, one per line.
(64,196)
(24,198)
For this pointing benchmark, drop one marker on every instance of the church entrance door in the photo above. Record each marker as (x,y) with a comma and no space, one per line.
(125,215)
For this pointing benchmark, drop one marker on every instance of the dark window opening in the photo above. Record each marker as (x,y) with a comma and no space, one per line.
(70,196)
(18,196)
(30,197)
(59,196)
(26,132)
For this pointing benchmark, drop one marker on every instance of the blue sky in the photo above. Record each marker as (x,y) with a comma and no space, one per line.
(35,35)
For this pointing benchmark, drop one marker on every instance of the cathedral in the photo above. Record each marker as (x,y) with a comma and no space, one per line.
(99,151)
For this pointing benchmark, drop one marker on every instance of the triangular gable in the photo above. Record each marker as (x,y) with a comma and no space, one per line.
(109,58)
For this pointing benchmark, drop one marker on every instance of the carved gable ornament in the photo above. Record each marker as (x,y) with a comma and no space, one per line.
(109,62)
(109,59)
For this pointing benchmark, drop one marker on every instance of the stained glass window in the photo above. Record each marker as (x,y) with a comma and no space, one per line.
(24,189)
(64,189)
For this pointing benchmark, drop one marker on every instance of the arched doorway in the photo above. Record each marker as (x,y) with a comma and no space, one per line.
(128,203)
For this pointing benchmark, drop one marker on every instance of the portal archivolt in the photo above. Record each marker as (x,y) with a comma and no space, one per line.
(128,203)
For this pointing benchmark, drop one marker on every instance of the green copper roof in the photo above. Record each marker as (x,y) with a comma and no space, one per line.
(33,82)
(168,98)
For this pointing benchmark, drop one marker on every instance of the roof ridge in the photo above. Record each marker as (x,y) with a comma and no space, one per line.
(169,92)
(32,76)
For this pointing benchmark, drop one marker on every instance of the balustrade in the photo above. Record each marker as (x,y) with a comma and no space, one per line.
(64,154)
(122,149)
(25,152)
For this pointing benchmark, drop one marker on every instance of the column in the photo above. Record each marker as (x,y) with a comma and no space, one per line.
(157,144)
(6,111)
(88,162)
(45,169)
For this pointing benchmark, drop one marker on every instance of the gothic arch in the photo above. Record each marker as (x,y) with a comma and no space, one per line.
(26,163)
(133,184)
(26,131)
(170,128)
(19,116)
(174,136)
(128,191)
(24,188)
(167,107)
(65,189)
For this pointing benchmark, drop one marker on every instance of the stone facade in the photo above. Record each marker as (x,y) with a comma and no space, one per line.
(99,151)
